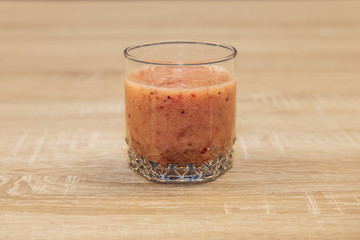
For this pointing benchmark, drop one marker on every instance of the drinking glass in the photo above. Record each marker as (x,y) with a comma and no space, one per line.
(180,99)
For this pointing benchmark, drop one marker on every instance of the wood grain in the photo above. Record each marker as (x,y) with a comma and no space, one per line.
(63,163)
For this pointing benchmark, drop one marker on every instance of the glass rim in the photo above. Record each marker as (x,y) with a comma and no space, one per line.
(232,55)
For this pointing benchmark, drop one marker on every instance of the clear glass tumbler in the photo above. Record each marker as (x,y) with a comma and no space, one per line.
(180,109)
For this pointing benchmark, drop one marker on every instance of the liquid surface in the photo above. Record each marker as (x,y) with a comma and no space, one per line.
(180,114)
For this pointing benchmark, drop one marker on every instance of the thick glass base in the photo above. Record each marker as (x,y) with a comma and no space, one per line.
(152,171)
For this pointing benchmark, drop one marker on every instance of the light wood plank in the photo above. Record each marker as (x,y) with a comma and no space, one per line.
(63,163)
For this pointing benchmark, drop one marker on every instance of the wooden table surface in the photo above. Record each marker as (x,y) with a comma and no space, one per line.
(63,165)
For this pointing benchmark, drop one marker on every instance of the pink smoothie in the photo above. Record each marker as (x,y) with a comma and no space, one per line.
(180,114)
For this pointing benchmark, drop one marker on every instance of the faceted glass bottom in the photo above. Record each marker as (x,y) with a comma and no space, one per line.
(152,171)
